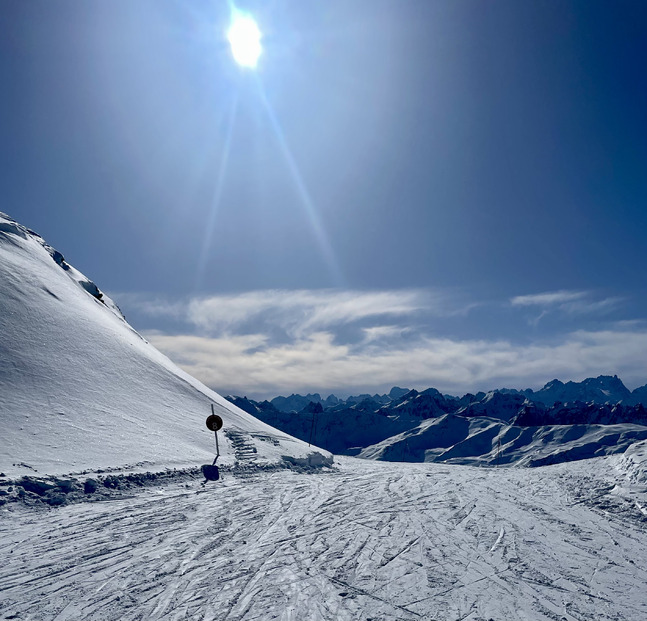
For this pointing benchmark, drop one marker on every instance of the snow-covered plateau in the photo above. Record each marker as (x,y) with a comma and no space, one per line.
(104,514)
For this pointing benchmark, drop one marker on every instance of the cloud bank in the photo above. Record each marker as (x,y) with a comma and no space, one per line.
(264,343)
(249,365)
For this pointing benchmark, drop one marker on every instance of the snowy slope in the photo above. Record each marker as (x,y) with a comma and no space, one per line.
(81,390)
(633,464)
(488,441)
(366,541)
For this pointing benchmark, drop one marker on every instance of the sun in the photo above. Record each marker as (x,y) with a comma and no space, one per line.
(245,40)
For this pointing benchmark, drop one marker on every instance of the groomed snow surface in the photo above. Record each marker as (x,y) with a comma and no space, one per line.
(361,541)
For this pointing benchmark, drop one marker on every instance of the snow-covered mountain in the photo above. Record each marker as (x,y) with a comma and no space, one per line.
(81,390)
(340,431)
(430,426)
(418,405)
(601,389)
(296,403)
(485,441)
(495,405)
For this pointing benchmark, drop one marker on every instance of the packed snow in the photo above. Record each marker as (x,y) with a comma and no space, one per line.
(363,540)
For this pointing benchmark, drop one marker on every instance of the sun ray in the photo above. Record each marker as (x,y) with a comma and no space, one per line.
(217,196)
(306,200)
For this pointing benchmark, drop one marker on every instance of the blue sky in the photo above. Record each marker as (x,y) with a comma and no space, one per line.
(421,193)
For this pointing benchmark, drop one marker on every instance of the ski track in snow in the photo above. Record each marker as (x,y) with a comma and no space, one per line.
(366,541)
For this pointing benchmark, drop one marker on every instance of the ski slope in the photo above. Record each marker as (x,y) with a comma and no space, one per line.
(364,540)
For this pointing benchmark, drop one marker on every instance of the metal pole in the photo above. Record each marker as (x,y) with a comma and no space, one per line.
(215,433)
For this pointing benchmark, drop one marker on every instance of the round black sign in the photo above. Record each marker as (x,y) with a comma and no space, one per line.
(214,422)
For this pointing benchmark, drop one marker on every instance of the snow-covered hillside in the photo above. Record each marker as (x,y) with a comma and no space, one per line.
(488,441)
(81,390)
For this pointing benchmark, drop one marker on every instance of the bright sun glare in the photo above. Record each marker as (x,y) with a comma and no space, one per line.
(245,39)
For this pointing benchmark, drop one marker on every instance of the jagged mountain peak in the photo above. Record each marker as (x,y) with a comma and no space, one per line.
(601,389)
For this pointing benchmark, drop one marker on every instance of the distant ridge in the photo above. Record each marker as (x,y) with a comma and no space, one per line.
(602,389)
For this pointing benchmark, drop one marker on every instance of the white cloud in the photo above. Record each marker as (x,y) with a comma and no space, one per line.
(276,341)
(301,311)
(580,307)
(297,312)
(380,333)
(253,366)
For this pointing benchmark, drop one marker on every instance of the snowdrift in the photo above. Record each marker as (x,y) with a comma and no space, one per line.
(80,390)
(633,464)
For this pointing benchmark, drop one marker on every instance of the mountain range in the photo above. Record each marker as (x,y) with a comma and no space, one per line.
(560,422)
(604,389)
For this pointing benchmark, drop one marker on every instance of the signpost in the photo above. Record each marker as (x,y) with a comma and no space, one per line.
(214,422)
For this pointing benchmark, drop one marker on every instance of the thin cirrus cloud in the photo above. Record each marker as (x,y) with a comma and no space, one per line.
(567,302)
(298,312)
(552,298)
